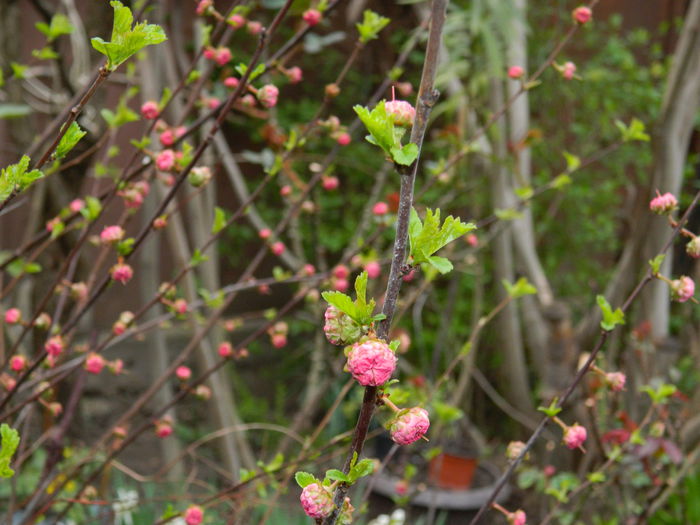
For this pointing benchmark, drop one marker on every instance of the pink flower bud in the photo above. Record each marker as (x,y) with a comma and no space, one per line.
(203,6)
(575,436)
(409,425)
(330,183)
(51,224)
(549,470)
(371,362)
(343,138)
(582,14)
(265,233)
(167,138)
(517,518)
(514,450)
(380,208)
(160,222)
(403,112)
(55,409)
(616,381)
(231,82)
(340,328)
(317,501)
(312,16)
(194,515)
(682,289)
(279,340)
(122,272)
(373,269)
(663,204)
(180,306)
(341,272)
(267,95)
(76,205)
(472,240)
(203,392)
(277,248)
(212,102)
(340,285)
(164,428)
(112,234)
(54,346)
(223,56)
(209,53)
(515,72)
(294,74)
(409,276)
(225,350)
(165,161)
(18,363)
(236,21)
(253,27)
(248,100)
(43,321)
(94,363)
(199,176)
(116,366)
(405,88)
(183,373)
(309,269)
(12,316)
(149,110)
(285,190)
(401,487)
(568,70)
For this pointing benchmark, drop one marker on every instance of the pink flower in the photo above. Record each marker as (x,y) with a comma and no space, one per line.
(312,16)
(373,269)
(549,470)
(380,208)
(267,95)
(54,346)
(568,70)
(277,248)
(167,138)
(401,487)
(12,316)
(18,363)
(574,436)
(265,233)
(225,350)
(341,272)
(682,288)
(330,183)
(165,161)
(663,204)
(253,27)
(112,234)
(194,515)
(279,340)
(409,276)
(122,272)
(223,56)
(231,82)
(515,72)
(183,373)
(409,426)
(517,518)
(371,362)
(343,138)
(149,110)
(616,381)
(404,113)
(76,205)
(236,21)
(295,74)
(94,363)
(582,14)
(317,501)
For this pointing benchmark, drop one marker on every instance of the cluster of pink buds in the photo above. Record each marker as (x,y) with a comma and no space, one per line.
(165,160)
(226,350)
(317,501)
(221,55)
(663,204)
(278,334)
(267,95)
(121,272)
(167,135)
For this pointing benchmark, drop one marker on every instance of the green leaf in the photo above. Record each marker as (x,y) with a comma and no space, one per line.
(18,69)
(405,155)
(92,209)
(656,263)
(380,126)
(561,181)
(572,162)
(8,111)
(45,53)
(507,214)
(242,68)
(446,413)
(636,131)
(552,410)
(304,479)
(524,193)
(610,318)
(337,475)
(361,288)
(428,237)
(16,178)
(520,288)
(69,140)
(60,25)
(197,258)
(661,393)
(441,264)
(361,469)
(122,115)
(219,220)
(125,40)
(371,25)
(126,246)
(341,301)
(9,439)
(596,477)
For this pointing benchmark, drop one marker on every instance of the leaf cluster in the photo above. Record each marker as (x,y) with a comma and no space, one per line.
(371,25)
(60,25)
(16,178)
(359,310)
(387,135)
(610,318)
(429,236)
(9,438)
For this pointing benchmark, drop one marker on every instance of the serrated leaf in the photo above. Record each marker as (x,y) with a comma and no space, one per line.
(405,155)
(304,479)
(45,53)
(441,264)
(428,237)
(341,301)
(60,25)
(126,41)
(337,475)
(520,288)
(363,468)
(9,441)
(371,25)
(16,178)
(219,220)
(610,318)
(197,258)
(552,410)
(596,477)
(69,140)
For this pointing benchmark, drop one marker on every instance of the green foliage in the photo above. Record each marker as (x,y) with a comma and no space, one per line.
(385,134)
(360,310)
(45,53)
(661,394)
(92,209)
(552,410)
(69,141)
(219,220)
(429,236)
(9,440)
(15,178)
(122,115)
(18,69)
(360,469)
(655,264)
(521,288)
(197,258)
(127,41)
(561,485)
(371,25)
(610,318)
(60,25)
(635,131)
(242,68)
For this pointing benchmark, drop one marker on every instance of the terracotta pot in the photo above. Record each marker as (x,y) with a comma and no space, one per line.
(452,472)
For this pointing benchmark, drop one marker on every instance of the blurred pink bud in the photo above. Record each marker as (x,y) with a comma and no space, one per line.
(267,95)
(223,56)
(616,381)
(253,27)
(194,515)
(582,14)
(575,436)
(76,205)
(180,306)
(149,110)
(160,222)
(343,138)
(285,190)
(165,161)
(210,53)
(472,240)
(231,82)
(112,234)
(265,233)
(312,16)
(277,248)
(663,204)
(309,269)
(183,373)
(225,349)
(167,138)
(18,363)
(380,208)
(164,428)
(94,363)
(682,289)
(294,74)
(54,346)
(515,72)
(279,340)
(122,272)
(330,183)
(236,21)
(203,6)
(12,316)
(373,269)
(568,70)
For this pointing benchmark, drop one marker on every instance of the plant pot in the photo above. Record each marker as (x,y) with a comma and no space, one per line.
(449,471)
